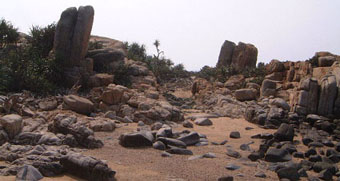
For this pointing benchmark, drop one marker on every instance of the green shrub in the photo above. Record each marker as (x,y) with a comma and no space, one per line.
(20,70)
(222,74)
(207,73)
(163,68)
(28,67)
(213,73)
(8,34)
(180,72)
(258,73)
(136,51)
(41,39)
(122,75)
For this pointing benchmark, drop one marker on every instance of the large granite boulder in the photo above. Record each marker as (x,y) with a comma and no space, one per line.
(235,82)
(138,139)
(336,73)
(239,56)
(71,44)
(86,167)
(306,100)
(99,80)
(268,88)
(298,70)
(12,124)
(28,172)
(275,66)
(284,133)
(81,34)
(328,95)
(66,124)
(78,104)
(64,34)
(245,94)
(72,34)
(326,61)
(244,56)
(106,60)
(226,54)
(114,94)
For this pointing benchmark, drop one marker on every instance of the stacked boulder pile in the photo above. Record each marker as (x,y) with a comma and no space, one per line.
(238,56)
(162,137)
(296,98)
(227,99)
(46,141)
(299,98)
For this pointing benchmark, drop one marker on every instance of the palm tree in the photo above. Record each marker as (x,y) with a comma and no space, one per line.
(157,44)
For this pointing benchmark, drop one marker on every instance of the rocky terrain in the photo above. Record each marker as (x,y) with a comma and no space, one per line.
(287,128)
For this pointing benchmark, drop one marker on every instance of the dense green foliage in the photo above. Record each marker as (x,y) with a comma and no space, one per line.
(28,66)
(41,39)
(8,34)
(258,73)
(223,73)
(121,75)
(213,73)
(162,67)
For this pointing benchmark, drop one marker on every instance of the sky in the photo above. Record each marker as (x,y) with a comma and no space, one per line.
(192,31)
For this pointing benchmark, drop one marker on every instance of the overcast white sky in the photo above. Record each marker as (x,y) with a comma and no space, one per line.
(192,31)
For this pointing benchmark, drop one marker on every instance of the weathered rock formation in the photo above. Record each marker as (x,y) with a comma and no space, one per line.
(71,44)
(226,54)
(72,35)
(306,100)
(239,56)
(328,95)
(308,89)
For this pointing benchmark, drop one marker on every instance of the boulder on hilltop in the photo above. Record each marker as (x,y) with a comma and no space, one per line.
(239,56)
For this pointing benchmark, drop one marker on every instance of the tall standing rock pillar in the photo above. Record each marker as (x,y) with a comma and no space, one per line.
(327,95)
(71,43)
(64,34)
(239,56)
(81,34)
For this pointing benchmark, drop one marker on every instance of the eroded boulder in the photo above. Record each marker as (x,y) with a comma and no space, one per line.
(78,104)
(245,94)
(87,167)
(138,139)
(328,95)
(28,172)
(70,125)
(12,124)
(226,54)
(244,56)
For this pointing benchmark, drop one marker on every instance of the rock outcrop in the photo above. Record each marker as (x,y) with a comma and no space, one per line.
(239,56)
(226,54)
(12,124)
(87,167)
(72,35)
(306,100)
(328,95)
(71,44)
(78,104)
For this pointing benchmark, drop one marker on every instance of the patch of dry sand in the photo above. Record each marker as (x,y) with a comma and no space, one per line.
(147,164)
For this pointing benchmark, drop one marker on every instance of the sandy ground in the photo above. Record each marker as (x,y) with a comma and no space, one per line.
(147,163)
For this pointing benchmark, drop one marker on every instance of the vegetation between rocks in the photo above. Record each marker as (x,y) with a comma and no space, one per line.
(27,65)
